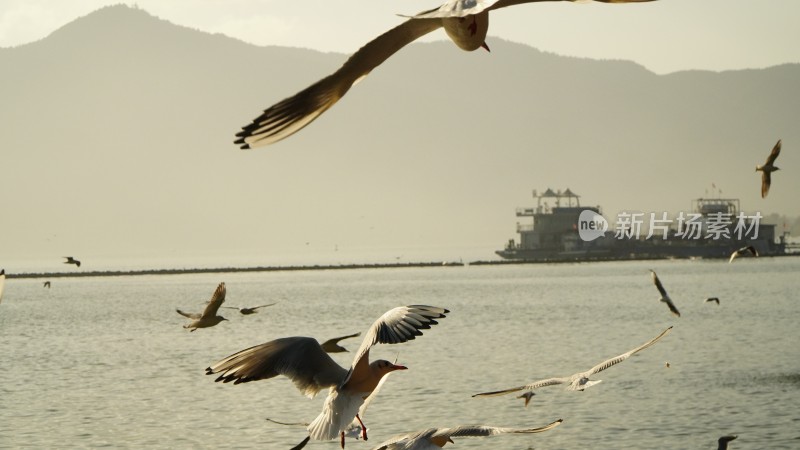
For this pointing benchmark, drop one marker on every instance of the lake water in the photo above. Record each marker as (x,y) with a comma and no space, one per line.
(105,362)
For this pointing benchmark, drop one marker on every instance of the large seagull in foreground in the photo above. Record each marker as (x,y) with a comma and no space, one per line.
(580,380)
(465,21)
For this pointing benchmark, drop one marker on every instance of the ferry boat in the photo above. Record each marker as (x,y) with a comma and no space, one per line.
(714,229)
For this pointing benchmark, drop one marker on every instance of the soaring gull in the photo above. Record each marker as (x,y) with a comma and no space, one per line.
(435,438)
(465,22)
(209,317)
(664,296)
(580,380)
(767,169)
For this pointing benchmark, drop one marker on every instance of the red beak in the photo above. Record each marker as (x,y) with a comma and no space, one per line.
(396,367)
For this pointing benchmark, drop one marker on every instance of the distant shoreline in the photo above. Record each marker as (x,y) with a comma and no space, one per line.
(121,273)
(125,273)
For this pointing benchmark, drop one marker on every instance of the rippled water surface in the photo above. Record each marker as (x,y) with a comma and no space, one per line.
(105,362)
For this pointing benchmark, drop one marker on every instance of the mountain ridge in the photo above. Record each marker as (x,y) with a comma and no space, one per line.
(135,117)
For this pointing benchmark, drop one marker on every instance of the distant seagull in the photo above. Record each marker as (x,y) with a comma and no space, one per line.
(667,365)
(248,311)
(768,168)
(527,396)
(465,21)
(46,284)
(302,360)
(71,260)
(209,316)
(580,380)
(332,345)
(433,438)
(744,251)
(664,296)
(2,282)
(723,441)
(712,299)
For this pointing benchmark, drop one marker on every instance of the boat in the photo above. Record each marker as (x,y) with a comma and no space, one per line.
(560,231)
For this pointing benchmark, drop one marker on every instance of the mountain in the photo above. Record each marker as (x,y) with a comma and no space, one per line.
(116,134)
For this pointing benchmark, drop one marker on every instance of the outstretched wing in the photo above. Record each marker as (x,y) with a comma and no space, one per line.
(188,315)
(398,325)
(332,345)
(657,282)
(482,430)
(216,301)
(301,359)
(505,3)
(616,360)
(773,155)
(457,8)
(766,180)
(527,387)
(262,306)
(292,114)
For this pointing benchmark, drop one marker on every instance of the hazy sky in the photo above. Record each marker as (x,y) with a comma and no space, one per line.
(664,36)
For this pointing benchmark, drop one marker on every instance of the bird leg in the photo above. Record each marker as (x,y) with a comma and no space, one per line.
(342,439)
(363,428)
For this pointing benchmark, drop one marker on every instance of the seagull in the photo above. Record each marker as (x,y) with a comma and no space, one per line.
(71,260)
(434,438)
(209,317)
(303,360)
(527,396)
(354,430)
(46,284)
(2,282)
(664,296)
(466,22)
(332,345)
(580,380)
(248,311)
(723,441)
(712,299)
(744,251)
(768,168)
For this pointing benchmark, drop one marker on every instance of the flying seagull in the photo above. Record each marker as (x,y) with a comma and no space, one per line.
(209,317)
(580,380)
(71,260)
(46,284)
(664,296)
(303,360)
(712,299)
(527,396)
(354,430)
(768,168)
(248,311)
(332,345)
(465,22)
(434,438)
(744,251)
(723,441)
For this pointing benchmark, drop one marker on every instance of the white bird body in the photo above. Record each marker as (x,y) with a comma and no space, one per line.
(303,360)
(580,380)
(466,22)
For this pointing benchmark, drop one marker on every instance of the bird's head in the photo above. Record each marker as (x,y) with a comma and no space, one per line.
(382,367)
